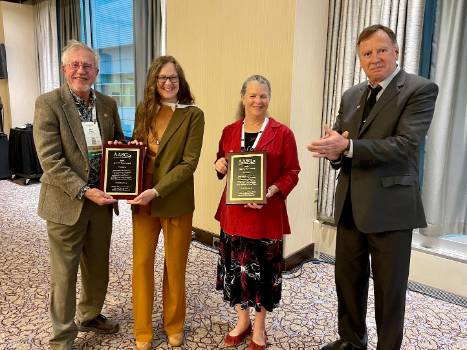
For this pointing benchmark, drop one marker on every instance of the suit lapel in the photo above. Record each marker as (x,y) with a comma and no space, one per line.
(389,93)
(74,121)
(174,124)
(104,117)
(355,126)
(268,134)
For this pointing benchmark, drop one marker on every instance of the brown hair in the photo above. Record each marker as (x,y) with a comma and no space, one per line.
(369,31)
(151,100)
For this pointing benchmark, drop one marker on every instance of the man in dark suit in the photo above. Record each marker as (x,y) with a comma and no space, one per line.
(70,125)
(375,144)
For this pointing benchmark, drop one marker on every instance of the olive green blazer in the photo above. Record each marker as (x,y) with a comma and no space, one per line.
(62,151)
(176,162)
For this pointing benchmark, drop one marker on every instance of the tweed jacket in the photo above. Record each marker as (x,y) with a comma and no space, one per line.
(62,151)
(383,174)
(271,221)
(176,162)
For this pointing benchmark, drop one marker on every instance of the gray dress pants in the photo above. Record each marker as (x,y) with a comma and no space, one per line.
(85,244)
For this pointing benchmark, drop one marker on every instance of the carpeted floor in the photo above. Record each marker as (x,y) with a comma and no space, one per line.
(305,320)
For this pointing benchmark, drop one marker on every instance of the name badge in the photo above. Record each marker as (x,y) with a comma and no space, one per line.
(93,137)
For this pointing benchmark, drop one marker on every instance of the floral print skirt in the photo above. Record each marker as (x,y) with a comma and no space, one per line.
(249,271)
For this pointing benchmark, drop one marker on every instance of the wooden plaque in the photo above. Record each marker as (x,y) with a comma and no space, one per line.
(122,170)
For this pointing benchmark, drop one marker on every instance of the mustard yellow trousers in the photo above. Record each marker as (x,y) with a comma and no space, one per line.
(177,238)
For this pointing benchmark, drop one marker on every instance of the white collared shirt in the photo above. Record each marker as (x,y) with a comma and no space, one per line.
(384,84)
(175,105)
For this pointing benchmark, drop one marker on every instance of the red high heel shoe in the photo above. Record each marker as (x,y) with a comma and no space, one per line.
(233,340)
(253,346)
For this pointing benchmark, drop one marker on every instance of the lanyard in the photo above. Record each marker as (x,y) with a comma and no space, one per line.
(92,133)
(94,114)
(242,141)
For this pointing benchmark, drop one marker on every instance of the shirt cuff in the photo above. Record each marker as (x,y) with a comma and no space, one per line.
(81,191)
(349,152)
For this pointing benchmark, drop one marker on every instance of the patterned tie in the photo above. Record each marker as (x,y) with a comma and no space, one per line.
(370,102)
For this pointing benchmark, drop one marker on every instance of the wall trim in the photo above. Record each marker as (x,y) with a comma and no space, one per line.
(292,261)
(299,257)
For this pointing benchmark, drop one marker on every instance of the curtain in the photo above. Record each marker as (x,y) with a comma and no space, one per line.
(444,183)
(347,18)
(45,19)
(147,33)
(69,24)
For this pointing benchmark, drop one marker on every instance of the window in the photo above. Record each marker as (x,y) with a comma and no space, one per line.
(107,26)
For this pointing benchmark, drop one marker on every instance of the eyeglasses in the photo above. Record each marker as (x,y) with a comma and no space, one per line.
(162,79)
(86,66)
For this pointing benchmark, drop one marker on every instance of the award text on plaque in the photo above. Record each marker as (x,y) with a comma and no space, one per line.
(246,178)
(121,175)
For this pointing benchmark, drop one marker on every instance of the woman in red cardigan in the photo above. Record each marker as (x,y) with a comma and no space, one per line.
(251,261)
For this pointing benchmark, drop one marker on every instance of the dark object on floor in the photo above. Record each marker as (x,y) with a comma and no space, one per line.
(23,156)
(4,161)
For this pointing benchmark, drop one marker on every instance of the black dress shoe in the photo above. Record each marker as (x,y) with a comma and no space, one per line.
(341,345)
(99,324)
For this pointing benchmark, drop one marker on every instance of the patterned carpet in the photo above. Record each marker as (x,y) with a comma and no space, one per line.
(305,320)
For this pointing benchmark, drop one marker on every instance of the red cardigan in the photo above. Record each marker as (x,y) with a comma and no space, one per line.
(271,221)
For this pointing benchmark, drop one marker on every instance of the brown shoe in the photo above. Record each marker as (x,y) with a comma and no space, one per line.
(143,345)
(233,340)
(175,339)
(99,324)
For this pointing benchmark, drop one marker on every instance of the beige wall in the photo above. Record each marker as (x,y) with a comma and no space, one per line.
(219,44)
(309,57)
(4,94)
(22,86)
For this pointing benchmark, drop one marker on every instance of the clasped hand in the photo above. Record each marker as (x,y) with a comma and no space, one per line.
(272,190)
(331,145)
(97,196)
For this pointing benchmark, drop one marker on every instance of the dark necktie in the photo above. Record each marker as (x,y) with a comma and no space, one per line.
(370,102)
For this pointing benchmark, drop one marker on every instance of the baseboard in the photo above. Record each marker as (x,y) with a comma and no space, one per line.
(297,258)
(208,238)
(212,240)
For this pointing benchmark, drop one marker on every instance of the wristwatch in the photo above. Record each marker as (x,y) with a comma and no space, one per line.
(82,190)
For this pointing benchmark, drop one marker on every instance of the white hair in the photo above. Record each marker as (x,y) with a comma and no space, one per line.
(74,44)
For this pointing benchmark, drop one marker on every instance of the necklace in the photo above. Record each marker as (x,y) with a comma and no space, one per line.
(155,136)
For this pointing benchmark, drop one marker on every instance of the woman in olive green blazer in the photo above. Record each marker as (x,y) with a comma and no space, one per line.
(172,128)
